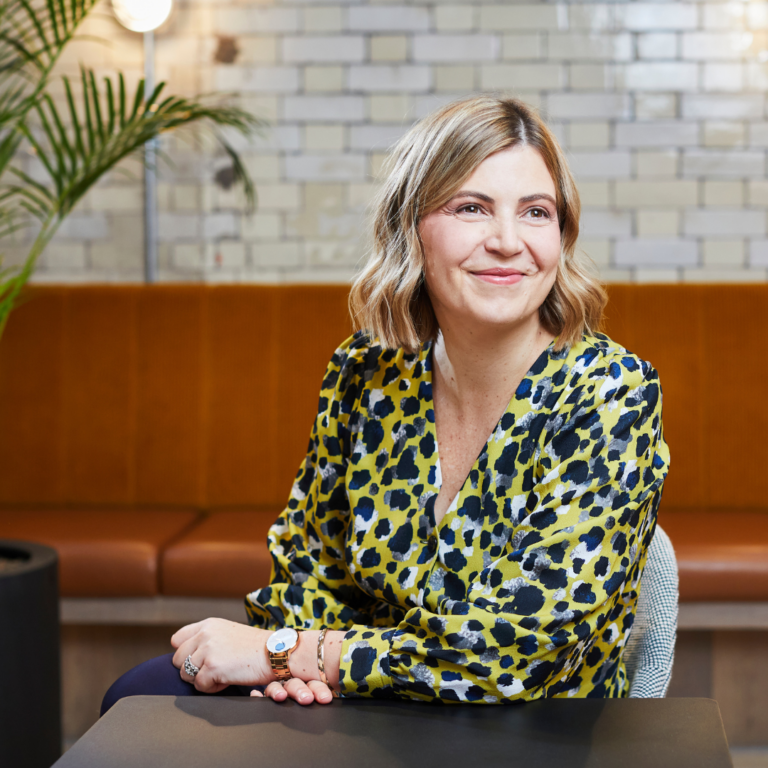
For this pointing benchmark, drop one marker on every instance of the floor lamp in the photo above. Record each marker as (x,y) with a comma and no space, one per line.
(146,16)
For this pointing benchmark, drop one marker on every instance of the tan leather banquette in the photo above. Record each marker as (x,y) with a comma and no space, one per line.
(151,433)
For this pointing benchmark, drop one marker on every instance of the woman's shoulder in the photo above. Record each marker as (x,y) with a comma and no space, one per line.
(357,353)
(356,346)
(361,357)
(598,355)
(608,374)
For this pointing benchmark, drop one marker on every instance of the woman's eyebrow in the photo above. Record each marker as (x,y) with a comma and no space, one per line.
(538,196)
(469,193)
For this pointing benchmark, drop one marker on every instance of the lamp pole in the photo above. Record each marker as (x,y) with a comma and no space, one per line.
(150,170)
(146,16)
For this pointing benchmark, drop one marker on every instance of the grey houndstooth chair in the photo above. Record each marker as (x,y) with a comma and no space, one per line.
(650,649)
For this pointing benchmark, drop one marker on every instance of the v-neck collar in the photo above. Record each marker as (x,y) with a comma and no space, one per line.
(527,384)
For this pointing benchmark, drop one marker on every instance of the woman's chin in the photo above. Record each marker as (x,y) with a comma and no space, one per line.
(498,320)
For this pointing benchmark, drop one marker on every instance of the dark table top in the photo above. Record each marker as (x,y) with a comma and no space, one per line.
(200,732)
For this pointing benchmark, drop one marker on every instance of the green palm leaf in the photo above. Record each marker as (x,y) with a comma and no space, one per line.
(33,33)
(101,133)
(78,145)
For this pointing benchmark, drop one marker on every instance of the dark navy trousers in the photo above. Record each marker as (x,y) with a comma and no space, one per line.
(158,677)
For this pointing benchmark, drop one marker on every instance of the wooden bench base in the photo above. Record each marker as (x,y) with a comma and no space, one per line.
(730,667)
(148,611)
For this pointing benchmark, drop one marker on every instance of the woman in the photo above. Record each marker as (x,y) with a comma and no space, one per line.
(472,517)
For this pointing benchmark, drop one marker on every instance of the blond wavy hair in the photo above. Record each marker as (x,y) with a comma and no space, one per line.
(427,167)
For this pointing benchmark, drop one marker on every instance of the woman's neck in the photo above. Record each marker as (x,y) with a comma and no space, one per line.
(474,368)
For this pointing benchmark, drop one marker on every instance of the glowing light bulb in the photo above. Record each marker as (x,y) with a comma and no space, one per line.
(141,15)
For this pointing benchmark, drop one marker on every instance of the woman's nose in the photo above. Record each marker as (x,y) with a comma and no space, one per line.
(504,237)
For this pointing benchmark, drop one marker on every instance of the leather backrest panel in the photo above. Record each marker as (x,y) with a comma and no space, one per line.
(185,395)
(203,396)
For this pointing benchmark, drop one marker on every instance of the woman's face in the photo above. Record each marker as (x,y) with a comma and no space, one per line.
(492,250)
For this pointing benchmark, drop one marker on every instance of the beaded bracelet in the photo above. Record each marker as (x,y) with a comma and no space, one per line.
(321,659)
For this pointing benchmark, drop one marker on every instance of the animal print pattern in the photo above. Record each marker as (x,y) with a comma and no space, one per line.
(527,588)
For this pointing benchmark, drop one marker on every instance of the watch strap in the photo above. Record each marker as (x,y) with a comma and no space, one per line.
(279,662)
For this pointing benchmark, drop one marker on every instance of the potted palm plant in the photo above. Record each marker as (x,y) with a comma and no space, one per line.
(77,143)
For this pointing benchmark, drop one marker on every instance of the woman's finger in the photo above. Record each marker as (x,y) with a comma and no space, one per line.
(190,630)
(187,648)
(205,682)
(275,691)
(320,691)
(297,689)
(185,676)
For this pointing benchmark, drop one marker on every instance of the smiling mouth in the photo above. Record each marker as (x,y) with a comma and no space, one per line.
(499,276)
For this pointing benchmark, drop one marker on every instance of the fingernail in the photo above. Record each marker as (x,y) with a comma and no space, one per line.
(303,696)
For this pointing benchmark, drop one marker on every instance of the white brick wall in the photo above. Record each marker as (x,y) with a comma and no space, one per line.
(656,252)
(658,76)
(667,133)
(323,108)
(390,79)
(588,106)
(660,107)
(749,106)
(240,20)
(522,17)
(657,16)
(390,18)
(308,49)
(305,167)
(577,46)
(600,165)
(257,79)
(455,47)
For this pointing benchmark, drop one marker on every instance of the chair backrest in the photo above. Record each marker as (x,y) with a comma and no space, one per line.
(650,650)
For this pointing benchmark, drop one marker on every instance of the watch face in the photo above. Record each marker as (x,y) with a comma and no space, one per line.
(282,640)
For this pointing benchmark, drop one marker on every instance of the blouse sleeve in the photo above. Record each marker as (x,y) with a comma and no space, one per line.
(310,586)
(544,618)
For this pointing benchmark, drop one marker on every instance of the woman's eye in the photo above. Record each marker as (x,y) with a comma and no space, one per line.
(539,213)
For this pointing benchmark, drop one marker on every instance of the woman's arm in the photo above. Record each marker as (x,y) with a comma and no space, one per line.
(310,586)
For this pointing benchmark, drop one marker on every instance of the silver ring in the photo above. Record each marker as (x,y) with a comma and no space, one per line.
(190,668)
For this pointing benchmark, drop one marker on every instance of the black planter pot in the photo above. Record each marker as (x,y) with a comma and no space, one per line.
(30,678)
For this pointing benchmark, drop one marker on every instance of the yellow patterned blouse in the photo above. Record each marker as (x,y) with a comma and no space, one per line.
(527,588)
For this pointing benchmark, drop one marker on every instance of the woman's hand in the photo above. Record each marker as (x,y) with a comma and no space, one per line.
(226,652)
(229,653)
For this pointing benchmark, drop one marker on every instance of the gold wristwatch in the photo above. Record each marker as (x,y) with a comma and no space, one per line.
(280,645)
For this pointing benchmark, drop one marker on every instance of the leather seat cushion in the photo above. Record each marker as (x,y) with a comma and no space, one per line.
(722,554)
(102,553)
(225,555)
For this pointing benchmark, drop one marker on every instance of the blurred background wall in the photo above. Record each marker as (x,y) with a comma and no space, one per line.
(660,106)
